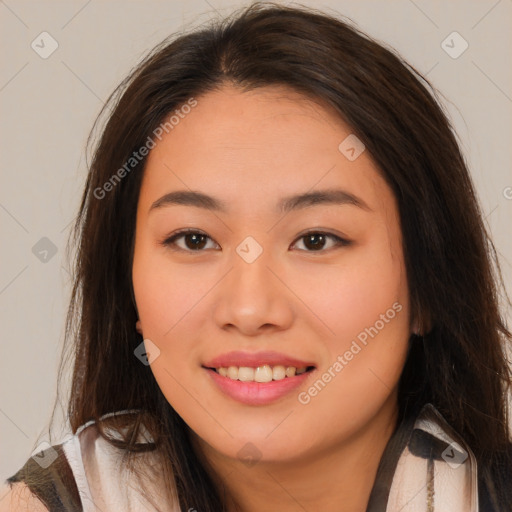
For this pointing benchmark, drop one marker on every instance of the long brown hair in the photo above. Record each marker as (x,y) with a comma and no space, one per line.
(454,278)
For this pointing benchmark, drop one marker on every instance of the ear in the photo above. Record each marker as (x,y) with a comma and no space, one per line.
(138,327)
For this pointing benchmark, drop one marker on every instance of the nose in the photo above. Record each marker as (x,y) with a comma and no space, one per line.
(253,298)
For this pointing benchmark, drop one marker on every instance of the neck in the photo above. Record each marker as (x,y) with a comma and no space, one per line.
(339,478)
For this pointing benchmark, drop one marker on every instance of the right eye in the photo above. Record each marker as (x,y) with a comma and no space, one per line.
(193,241)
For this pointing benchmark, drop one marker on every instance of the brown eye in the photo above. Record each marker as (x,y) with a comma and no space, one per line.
(192,241)
(317,241)
(196,241)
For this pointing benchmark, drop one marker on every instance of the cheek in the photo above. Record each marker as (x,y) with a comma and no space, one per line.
(351,295)
(366,306)
(171,306)
(165,293)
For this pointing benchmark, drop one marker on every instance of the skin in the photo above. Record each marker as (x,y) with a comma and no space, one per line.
(250,149)
(19,498)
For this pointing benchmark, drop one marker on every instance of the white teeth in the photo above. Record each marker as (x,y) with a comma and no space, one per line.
(265,373)
(233,372)
(245,373)
(290,371)
(278,372)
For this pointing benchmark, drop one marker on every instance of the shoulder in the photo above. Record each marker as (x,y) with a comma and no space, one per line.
(120,479)
(46,478)
(19,498)
(83,468)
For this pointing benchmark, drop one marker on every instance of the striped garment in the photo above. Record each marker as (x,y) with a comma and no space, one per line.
(426,467)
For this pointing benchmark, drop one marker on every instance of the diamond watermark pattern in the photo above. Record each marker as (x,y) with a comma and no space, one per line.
(146,352)
(44,250)
(351,147)
(44,455)
(249,455)
(454,455)
(249,250)
(454,45)
(44,45)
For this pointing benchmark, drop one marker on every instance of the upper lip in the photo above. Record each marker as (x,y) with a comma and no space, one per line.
(255,359)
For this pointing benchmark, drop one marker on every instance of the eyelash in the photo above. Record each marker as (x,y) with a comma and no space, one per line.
(169,242)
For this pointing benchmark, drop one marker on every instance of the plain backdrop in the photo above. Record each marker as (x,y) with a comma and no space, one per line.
(48,106)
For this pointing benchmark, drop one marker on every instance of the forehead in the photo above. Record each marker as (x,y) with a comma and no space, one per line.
(257,145)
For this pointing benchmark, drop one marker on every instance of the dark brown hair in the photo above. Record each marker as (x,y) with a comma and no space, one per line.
(458,365)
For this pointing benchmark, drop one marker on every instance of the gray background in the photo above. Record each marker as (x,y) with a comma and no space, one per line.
(48,107)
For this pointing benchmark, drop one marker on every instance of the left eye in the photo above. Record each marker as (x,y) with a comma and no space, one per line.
(197,241)
(317,241)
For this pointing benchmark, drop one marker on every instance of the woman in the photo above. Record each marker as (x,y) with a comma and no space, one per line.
(285,295)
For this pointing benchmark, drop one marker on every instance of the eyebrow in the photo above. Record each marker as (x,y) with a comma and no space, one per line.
(285,205)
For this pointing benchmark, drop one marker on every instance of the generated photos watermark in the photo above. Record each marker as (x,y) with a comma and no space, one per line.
(137,156)
(344,359)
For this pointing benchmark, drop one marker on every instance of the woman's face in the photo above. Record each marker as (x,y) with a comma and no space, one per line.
(295,261)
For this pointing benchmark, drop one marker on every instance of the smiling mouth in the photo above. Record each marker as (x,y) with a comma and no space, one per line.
(262,374)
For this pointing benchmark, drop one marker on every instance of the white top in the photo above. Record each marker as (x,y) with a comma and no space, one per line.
(103,480)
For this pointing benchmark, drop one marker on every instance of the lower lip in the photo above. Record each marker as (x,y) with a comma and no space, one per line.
(257,393)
